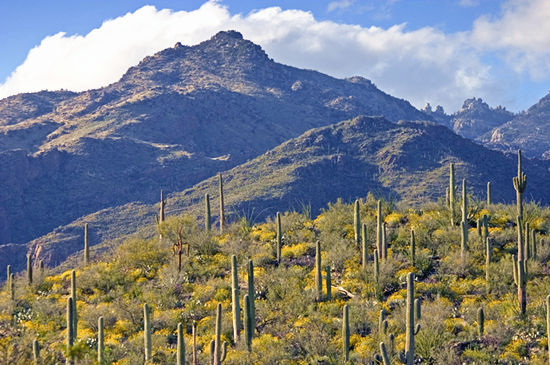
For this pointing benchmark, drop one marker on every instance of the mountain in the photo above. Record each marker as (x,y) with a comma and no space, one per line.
(398,161)
(176,118)
(528,131)
(473,120)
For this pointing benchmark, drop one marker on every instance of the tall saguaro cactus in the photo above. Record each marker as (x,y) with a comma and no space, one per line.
(488,193)
(147,333)
(235,296)
(520,269)
(73,295)
(69,359)
(100,341)
(279,237)
(520,183)
(222,206)
(247,322)
(464,202)
(463,239)
(408,357)
(318,275)
(452,192)
(86,245)
(379,228)
(357,222)
(207,213)
(345,333)
(251,297)
(162,206)
(217,337)
(364,246)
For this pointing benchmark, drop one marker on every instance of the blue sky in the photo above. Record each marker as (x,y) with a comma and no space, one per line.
(422,50)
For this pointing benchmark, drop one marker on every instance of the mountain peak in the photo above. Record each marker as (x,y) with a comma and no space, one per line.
(227,34)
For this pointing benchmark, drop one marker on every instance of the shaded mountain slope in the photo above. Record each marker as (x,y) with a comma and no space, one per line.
(176,118)
(528,131)
(402,160)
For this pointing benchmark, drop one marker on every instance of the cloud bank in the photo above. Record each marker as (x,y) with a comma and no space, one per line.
(419,65)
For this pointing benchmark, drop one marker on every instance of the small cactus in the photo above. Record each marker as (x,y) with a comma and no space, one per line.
(207,213)
(36,352)
(381,319)
(235,297)
(180,352)
(480,322)
(29,269)
(147,333)
(345,333)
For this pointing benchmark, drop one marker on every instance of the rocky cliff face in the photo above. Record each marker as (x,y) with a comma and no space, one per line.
(528,131)
(176,118)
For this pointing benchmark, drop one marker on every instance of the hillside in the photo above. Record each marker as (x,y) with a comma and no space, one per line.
(528,131)
(398,161)
(328,298)
(176,118)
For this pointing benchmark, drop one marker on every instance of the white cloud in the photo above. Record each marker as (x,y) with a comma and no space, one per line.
(521,34)
(420,65)
(339,5)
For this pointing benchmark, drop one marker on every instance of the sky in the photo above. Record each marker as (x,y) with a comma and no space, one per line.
(436,51)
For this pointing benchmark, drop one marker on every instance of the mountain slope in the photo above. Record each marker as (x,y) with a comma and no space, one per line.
(176,118)
(528,131)
(402,160)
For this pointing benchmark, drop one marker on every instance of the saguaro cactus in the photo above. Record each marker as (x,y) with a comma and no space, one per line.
(235,296)
(357,222)
(73,295)
(207,213)
(520,183)
(162,206)
(147,333)
(86,245)
(251,297)
(527,241)
(408,356)
(180,352)
(412,248)
(520,269)
(12,286)
(217,347)
(384,352)
(222,207)
(463,239)
(29,269)
(247,322)
(36,352)
(69,359)
(364,246)
(194,334)
(480,322)
(464,202)
(452,192)
(279,237)
(379,228)
(488,193)
(329,283)
(384,242)
(345,333)
(318,275)
(548,324)
(100,341)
